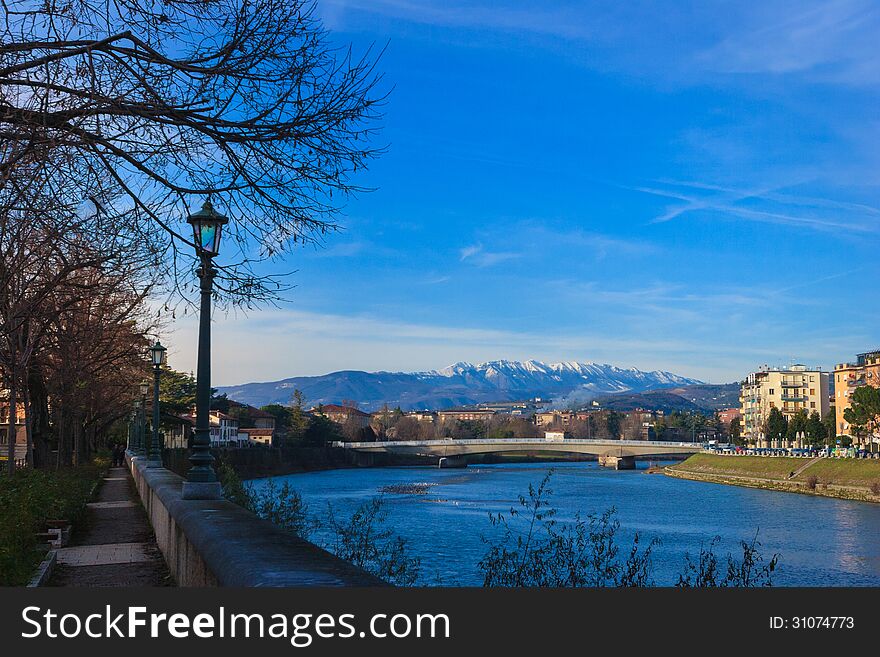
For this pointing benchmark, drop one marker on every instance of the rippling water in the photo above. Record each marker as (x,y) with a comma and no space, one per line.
(821,542)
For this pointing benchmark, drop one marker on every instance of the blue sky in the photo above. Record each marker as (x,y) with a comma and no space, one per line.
(681,186)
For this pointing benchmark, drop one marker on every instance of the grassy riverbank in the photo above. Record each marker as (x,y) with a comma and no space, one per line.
(854,479)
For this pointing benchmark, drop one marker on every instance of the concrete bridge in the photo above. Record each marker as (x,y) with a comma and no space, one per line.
(620,454)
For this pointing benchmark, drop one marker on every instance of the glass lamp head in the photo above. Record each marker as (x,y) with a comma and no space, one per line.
(207,226)
(158,354)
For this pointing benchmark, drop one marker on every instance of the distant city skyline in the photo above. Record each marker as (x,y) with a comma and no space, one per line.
(702,203)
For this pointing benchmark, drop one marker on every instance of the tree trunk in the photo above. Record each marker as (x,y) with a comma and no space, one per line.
(76,427)
(39,408)
(11,431)
(28,421)
(60,450)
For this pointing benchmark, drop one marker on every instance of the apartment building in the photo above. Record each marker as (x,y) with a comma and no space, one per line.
(791,390)
(465,414)
(849,376)
(428,417)
(728,415)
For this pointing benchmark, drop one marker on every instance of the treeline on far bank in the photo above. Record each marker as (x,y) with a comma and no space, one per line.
(271,462)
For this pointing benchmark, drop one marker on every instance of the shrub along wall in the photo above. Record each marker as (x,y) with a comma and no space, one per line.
(27,500)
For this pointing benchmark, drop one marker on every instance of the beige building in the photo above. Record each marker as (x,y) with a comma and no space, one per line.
(547,418)
(464,414)
(849,376)
(790,390)
(429,417)
(255,436)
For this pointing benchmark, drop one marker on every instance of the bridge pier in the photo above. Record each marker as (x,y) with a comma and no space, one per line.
(618,462)
(452,462)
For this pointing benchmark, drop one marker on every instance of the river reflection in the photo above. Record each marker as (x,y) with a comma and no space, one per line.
(821,542)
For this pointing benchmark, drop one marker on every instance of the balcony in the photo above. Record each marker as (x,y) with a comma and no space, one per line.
(787,396)
(793,384)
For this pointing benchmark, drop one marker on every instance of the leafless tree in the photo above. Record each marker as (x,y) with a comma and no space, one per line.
(160,102)
(47,243)
(408,428)
(97,355)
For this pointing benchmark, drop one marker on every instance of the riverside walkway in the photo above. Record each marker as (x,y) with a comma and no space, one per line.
(115,546)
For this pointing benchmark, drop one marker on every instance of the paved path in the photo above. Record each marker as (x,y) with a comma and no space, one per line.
(804,467)
(115,545)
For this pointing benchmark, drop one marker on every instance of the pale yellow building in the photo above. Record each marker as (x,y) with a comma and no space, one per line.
(790,390)
(464,415)
(849,376)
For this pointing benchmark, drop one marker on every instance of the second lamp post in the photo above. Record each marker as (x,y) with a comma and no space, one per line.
(157,356)
(142,418)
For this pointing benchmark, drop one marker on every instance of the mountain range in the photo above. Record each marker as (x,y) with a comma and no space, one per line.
(700,398)
(461,384)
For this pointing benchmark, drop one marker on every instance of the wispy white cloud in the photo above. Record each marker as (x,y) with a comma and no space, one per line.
(561,237)
(299,343)
(725,202)
(834,41)
(563,22)
(436,280)
(341,250)
(545,236)
(821,279)
(692,202)
(476,254)
(470,251)
(824,40)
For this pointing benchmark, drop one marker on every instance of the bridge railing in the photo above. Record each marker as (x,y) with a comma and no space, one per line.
(518,441)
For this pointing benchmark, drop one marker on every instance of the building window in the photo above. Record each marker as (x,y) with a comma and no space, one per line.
(812,378)
(812,391)
(771,391)
(812,404)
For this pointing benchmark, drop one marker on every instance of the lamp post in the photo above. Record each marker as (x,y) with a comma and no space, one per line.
(132,432)
(157,355)
(201,482)
(142,420)
(135,426)
(136,421)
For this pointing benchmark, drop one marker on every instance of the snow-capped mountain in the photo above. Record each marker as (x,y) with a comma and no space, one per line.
(458,384)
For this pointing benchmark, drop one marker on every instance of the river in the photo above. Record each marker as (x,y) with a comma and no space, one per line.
(820,541)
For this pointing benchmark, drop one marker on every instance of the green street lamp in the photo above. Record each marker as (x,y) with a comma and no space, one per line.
(142,417)
(201,481)
(132,431)
(157,356)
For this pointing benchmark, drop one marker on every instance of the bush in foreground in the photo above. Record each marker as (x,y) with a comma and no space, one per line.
(28,499)
(533,550)
(536,550)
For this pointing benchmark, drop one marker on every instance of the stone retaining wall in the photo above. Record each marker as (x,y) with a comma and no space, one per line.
(218,543)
